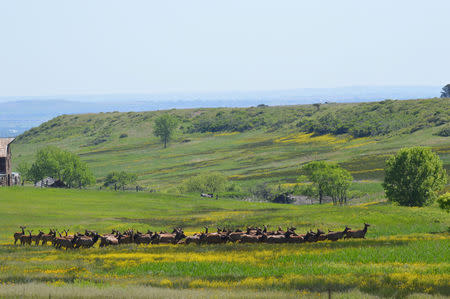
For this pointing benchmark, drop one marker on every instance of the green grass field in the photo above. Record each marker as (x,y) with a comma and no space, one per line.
(406,250)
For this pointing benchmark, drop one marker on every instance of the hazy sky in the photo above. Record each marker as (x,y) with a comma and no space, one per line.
(95,46)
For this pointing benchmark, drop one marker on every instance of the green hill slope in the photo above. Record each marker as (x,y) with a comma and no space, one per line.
(247,144)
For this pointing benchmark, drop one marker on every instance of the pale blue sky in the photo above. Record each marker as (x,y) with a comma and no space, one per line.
(95,46)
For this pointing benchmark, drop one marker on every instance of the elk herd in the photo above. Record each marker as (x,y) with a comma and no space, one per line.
(177,236)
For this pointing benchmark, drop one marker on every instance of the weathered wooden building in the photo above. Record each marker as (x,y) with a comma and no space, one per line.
(6,177)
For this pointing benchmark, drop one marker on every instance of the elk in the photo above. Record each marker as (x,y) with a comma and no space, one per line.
(140,238)
(18,235)
(245,238)
(357,234)
(26,239)
(85,241)
(48,237)
(172,238)
(334,236)
(37,238)
(108,240)
(126,238)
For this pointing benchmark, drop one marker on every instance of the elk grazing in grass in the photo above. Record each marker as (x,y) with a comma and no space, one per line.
(19,234)
(357,234)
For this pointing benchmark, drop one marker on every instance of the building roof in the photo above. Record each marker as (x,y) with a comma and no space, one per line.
(4,146)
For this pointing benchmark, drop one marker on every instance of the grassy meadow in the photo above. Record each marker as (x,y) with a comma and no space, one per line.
(406,250)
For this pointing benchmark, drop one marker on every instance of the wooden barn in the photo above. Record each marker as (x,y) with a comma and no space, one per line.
(6,177)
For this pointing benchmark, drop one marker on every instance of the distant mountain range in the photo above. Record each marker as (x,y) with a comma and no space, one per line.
(18,114)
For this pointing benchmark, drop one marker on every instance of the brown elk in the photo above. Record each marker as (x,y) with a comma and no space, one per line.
(85,241)
(334,236)
(19,234)
(357,233)
(48,237)
(108,240)
(26,239)
(37,238)
(173,238)
(140,238)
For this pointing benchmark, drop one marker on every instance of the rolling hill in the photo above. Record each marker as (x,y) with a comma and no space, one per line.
(249,145)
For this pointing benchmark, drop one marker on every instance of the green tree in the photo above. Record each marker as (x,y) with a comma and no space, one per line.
(165,126)
(211,182)
(125,179)
(414,176)
(24,170)
(119,179)
(328,179)
(317,173)
(61,165)
(339,180)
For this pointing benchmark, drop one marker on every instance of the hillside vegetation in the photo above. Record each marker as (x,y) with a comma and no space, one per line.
(249,145)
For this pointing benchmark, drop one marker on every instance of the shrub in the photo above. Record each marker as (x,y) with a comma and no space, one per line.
(212,182)
(445,131)
(444,201)
(123,135)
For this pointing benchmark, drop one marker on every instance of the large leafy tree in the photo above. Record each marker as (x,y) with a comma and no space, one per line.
(414,176)
(165,126)
(328,179)
(61,165)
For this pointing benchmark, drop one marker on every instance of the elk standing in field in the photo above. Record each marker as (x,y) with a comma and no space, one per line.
(85,241)
(334,236)
(37,238)
(18,235)
(26,239)
(48,237)
(357,233)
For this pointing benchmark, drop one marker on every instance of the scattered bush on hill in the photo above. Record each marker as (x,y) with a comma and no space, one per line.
(445,131)
(119,179)
(414,176)
(211,182)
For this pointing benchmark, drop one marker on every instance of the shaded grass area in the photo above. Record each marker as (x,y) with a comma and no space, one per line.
(406,250)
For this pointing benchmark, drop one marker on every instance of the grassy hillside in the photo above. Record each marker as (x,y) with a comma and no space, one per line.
(406,250)
(249,145)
